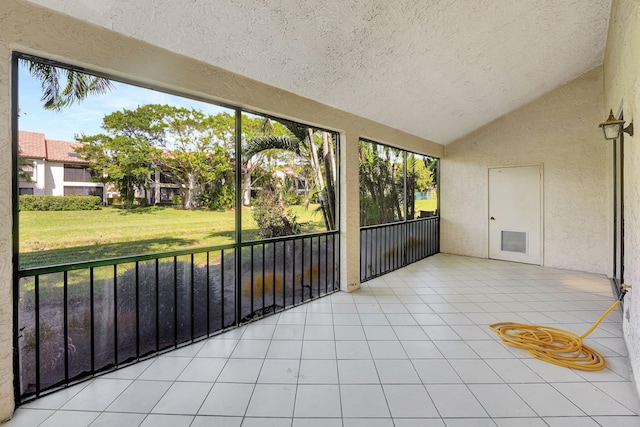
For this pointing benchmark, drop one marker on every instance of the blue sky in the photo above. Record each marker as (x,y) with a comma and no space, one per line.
(86,117)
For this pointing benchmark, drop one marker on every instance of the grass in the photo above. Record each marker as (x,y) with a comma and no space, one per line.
(426,205)
(49,238)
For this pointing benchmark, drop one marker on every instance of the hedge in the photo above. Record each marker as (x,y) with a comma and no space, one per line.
(29,202)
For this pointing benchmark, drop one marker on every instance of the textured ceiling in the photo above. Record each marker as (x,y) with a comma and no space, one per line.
(438,69)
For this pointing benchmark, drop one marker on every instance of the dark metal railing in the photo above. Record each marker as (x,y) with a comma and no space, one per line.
(388,247)
(80,319)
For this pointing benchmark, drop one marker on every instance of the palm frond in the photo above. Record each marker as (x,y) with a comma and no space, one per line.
(77,85)
(298,130)
(23,165)
(266,126)
(269,142)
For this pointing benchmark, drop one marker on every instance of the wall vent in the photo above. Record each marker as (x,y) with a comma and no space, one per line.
(514,241)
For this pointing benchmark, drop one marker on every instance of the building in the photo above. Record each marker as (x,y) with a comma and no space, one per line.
(555,128)
(56,169)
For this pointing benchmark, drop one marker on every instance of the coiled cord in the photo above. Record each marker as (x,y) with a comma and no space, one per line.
(554,345)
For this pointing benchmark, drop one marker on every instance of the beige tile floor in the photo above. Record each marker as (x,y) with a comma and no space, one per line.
(411,348)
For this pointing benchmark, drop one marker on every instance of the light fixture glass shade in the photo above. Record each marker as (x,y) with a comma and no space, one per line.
(612,128)
(612,131)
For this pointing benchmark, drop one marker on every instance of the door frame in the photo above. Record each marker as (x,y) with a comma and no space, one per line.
(488,207)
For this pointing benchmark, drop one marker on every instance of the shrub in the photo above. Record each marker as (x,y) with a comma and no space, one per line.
(218,199)
(294,199)
(140,201)
(30,202)
(272,218)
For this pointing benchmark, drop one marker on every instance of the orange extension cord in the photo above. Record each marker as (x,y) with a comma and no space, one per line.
(555,345)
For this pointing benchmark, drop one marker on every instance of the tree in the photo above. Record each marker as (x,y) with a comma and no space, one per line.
(185,144)
(124,154)
(119,159)
(62,87)
(389,180)
(258,167)
(24,165)
(313,148)
(381,184)
(271,216)
(420,167)
(194,156)
(419,178)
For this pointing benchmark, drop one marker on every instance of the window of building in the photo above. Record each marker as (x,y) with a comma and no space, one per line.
(76,173)
(165,178)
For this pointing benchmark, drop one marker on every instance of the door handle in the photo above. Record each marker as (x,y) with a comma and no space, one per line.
(492,219)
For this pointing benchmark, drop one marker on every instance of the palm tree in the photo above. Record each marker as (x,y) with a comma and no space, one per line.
(24,166)
(381,184)
(304,144)
(62,87)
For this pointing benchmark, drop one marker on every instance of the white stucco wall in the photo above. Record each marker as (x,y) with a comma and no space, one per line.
(622,94)
(6,249)
(559,131)
(37,183)
(40,177)
(55,179)
(49,179)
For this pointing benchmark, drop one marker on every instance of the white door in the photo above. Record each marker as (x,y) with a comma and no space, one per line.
(515,214)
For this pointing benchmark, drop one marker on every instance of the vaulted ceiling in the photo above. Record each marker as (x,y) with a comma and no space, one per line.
(438,69)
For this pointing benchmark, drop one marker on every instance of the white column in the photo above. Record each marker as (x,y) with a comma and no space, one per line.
(349,213)
(6,266)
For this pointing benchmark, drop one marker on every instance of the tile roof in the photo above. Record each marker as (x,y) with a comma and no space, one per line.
(63,151)
(34,145)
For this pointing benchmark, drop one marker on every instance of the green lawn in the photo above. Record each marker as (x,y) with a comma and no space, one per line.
(49,238)
(426,205)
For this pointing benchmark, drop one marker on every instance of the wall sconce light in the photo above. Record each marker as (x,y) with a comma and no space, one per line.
(613,127)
